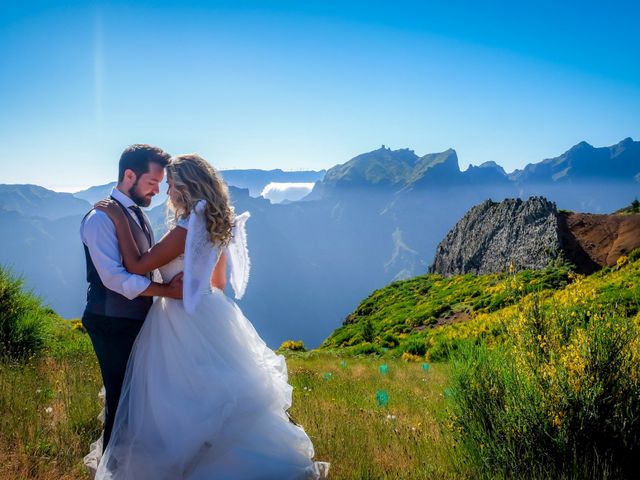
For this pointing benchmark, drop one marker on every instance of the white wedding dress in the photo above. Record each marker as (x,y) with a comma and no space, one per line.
(203,397)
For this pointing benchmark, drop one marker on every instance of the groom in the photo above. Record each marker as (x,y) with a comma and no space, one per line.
(118,301)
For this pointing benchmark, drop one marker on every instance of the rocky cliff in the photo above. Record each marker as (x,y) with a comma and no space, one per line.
(492,235)
(530,234)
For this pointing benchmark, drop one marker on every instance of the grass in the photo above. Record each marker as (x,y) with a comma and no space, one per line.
(348,428)
(48,416)
(362,439)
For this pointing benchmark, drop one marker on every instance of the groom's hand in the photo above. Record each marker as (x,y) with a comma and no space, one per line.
(175,287)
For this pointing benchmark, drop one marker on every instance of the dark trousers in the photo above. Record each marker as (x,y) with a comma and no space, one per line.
(112,339)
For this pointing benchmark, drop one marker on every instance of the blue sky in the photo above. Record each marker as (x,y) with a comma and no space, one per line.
(306,84)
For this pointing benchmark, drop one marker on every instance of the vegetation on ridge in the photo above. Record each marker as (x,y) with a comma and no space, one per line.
(401,316)
(632,209)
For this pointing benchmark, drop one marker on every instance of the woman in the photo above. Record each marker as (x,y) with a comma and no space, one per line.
(203,398)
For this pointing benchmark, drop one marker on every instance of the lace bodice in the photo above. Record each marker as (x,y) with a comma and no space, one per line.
(171,269)
(175,266)
(201,256)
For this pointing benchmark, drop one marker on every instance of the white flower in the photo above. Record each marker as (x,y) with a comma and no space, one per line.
(48,409)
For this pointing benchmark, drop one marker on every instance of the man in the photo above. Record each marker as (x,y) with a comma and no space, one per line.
(118,301)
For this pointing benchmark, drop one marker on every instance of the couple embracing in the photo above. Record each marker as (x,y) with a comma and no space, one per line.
(191,390)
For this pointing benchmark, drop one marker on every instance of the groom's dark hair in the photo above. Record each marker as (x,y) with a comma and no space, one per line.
(137,158)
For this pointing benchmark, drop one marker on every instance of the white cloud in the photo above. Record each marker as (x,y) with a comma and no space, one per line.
(276,192)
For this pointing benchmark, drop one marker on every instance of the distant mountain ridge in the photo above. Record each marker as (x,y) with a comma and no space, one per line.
(582,165)
(585,162)
(253,179)
(36,201)
(395,170)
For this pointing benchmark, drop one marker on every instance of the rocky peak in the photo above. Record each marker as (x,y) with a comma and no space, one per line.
(435,167)
(493,235)
(530,234)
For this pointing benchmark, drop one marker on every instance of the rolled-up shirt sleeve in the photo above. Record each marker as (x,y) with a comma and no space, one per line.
(99,235)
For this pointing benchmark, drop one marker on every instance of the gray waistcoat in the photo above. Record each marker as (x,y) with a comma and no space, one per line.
(101,300)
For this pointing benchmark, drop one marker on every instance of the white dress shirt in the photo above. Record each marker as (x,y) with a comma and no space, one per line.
(98,233)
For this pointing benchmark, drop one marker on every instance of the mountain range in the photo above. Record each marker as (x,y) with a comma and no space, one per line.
(254,180)
(369,221)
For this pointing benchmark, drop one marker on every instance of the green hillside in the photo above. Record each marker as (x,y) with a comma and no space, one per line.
(402,316)
(545,366)
(428,314)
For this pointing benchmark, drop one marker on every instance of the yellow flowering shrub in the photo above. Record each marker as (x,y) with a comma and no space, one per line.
(549,387)
(293,345)
(410,357)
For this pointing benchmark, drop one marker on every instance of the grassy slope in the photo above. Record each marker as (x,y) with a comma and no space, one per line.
(398,317)
(402,314)
(49,407)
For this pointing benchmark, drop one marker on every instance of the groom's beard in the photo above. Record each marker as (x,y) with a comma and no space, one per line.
(137,198)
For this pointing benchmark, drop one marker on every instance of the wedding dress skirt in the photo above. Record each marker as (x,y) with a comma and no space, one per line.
(204,398)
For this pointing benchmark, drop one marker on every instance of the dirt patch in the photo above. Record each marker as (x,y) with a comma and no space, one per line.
(453,317)
(593,241)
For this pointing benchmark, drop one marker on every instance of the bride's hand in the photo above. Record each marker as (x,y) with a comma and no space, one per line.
(112,209)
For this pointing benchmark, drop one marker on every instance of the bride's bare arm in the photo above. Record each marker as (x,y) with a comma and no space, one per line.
(160,254)
(219,274)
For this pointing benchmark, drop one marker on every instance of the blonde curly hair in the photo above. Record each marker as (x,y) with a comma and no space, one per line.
(194,179)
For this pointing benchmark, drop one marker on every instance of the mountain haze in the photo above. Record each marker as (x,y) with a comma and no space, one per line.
(369,221)
(35,201)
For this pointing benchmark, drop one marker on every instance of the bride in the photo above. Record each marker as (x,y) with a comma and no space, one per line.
(203,397)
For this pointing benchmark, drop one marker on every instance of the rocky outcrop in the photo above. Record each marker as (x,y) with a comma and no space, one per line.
(530,234)
(493,235)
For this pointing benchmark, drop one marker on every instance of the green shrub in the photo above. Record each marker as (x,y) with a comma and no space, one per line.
(414,346)
(559,398)
(23,321)
(367,330)
(365,348)
(389,340)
